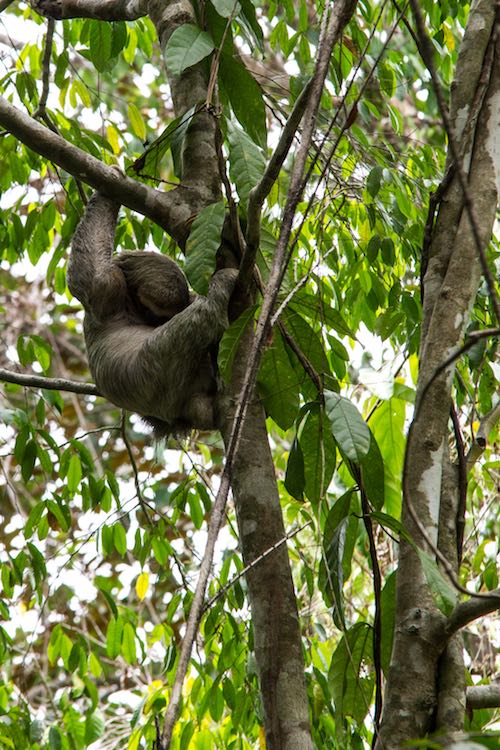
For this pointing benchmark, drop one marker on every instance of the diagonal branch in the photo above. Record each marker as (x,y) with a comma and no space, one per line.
(470,610)
(259,193)
(169,210)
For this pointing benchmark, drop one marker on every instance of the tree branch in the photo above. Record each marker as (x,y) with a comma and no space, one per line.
(483,696)
(259,193)
(473,609)
(102,10)
(485,427)
(170,210)
(50,384)
(5,4)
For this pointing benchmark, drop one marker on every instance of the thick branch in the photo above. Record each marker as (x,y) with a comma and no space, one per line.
(50,384)
(169,210)
(483,696)
(473,609)
(102,10)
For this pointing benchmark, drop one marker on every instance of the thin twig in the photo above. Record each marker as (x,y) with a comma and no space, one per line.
(224,589)
(472,339)
(47,53)
(138,490)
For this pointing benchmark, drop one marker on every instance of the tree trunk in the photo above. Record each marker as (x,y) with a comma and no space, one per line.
(277,636)
(422,694)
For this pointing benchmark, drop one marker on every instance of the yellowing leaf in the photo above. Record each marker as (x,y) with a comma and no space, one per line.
(113,138)
(449,39)
(262,739)
(141,585)
(136,122)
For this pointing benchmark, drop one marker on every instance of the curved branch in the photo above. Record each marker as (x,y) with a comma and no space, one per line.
(473,609)
(50,384)
(170,210)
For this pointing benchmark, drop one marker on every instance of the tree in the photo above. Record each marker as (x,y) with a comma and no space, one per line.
(336,247)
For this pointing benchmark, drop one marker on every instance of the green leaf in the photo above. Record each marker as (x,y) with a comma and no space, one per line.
(230,342)
(331,571)
(28,460)
(389,522)
(348,426)
(114,637)
(43,351)
(226,8)
(278,384)
(74,475)
(94,728)
(202,245)
(295,480)
(246,163)
(186,47)
(100,40)
(248,17)
(318,449)
(120,539)
(55,741)
(350,665)
(374,180)
(118,37)
(136,122)
(172,137)
(308,341)
(245,97)
(442,590)
(128,644)
(372,474)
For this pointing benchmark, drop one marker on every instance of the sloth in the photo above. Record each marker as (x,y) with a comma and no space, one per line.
(150,343)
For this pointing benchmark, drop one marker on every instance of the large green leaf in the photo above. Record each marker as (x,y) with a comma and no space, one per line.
(348,426)
(186,47)
(309,344)
(295,480)
(230,342)
(331,569)
(202,245)
(351,674)
(246,163)
(442,590)
(172,137)
(278,384)
(245,96)
(372,474)
(318,450)
(226,8)
(100,43)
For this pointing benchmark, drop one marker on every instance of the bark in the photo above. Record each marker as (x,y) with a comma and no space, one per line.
(102,10)
(483,696)
(277,636)
(451,282)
